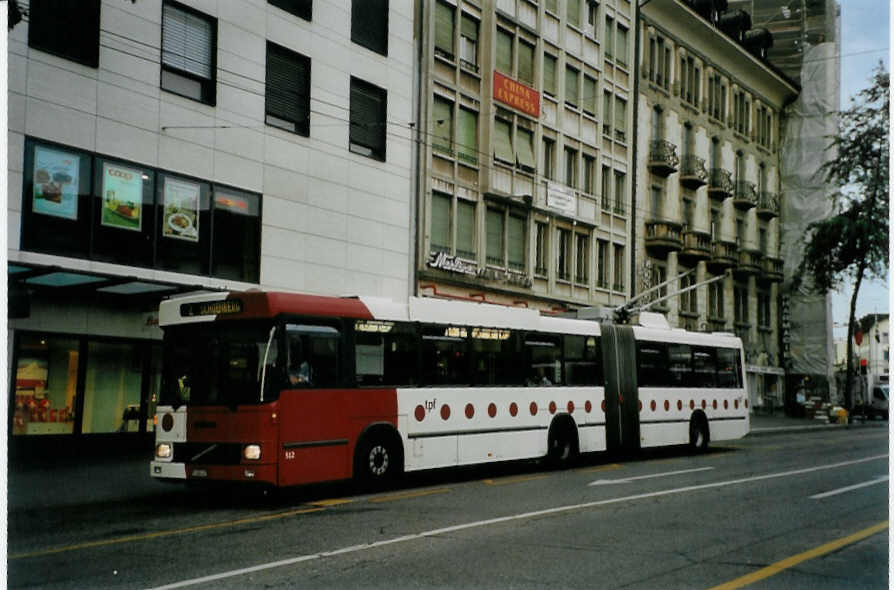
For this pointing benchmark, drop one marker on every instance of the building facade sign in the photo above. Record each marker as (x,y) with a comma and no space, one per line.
(450,263)
(516,95)
(561,198)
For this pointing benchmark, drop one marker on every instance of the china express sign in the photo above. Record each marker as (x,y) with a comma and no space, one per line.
(518,96)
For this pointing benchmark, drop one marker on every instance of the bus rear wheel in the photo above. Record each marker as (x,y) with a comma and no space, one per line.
(378,462)
(698,434)
(562,446)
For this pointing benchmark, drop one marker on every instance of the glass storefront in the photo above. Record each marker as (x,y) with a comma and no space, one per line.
(68,384)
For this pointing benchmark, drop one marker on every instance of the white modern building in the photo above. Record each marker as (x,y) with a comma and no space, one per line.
(158,147)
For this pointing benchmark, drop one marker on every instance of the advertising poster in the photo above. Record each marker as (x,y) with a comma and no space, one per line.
(180,219)
(122,197)
(56,183)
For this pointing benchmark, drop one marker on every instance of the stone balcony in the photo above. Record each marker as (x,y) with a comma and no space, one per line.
(724,255)
(749,262)
(696,246)
(745,196)
(767,205)
(771,269)
(720,184)
(663,159)
(663,237)
(693,173)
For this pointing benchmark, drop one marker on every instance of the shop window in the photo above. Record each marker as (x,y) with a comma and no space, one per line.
(368,124)
(287,93)
(300,8)
(237,223)
(112,388)
(188,53)
(45,385)
(123,212)
(67,28)
(56,200)
(369,24)
(184,236)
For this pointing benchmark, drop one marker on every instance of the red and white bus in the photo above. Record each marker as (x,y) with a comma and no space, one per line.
(290,389)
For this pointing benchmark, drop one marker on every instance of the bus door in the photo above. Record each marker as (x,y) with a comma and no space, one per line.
(621,396)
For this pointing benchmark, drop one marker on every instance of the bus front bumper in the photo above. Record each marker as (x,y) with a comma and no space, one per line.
(263,473)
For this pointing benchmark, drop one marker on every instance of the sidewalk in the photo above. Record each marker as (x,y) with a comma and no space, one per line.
(96,480)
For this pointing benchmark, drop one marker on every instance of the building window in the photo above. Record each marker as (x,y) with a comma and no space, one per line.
(525,62)
(688,299)
(571,167)
(655,202)
(589,174)
(763,310)
(620,119)
(609,41)
(444,19)
(467,136)
(494,229)
(287,97)
(503,150)
(300,8)
(88,206)
(465,229)
(524,145)
(620,193)
(368,123)
(541,249)
(549,74)
(658,276)
(606,188)
(572,94)
(67,28)
(468,42)
(582,261)
(563,255)
(715,300)
(504,52)
(606,113)
(602,264)
(590,96)
(369,24)
(659,62)
(188,53)
(740,300)
(592,13)
(440,223)
(442,126)
(516,243)
(618,283)
(549,158)
(573,12)
(621,47)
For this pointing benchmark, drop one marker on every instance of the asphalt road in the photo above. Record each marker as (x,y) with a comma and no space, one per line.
(787,510)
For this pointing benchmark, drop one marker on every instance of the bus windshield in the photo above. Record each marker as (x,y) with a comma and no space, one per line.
(220,363)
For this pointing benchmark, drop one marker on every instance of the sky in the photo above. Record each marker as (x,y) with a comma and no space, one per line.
(865,38)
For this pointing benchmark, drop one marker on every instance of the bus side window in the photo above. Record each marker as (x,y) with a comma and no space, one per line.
(703,367)
(652,364)
(582,361)
(544,354)
(385,353)
(679,365)
(729,371)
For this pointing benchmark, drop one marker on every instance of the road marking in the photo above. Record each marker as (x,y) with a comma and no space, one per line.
(609,467)
(419,494)
(510,480)
(500,520)
(600,482)
(773,569)
(332,502)
(159,534)
(879,479)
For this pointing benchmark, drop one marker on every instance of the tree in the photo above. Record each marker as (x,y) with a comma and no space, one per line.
(853,244)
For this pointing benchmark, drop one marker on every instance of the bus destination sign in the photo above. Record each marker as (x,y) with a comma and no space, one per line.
(211,308)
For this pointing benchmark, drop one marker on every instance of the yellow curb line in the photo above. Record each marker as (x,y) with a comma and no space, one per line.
(511,480)
(396,497)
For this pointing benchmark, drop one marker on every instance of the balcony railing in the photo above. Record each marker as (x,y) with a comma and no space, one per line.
(663,237)
(745,196)
(749,262)
(663,159)
(767,205)
(696,246)
(724,255)
(720,184)
(693,173)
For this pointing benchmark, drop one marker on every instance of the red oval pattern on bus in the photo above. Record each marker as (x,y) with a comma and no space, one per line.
(492,410)
(513,409)
(420,413)
(653,405)
(667,405)
(445,411)
(552,407)
(692,404)
(679,404)
(533,408)
(470,411)
(570,407)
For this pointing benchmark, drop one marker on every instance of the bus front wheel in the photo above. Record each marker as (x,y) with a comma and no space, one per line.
(698,433)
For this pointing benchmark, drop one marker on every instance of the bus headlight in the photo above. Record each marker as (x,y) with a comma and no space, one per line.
(163,451)
(252,452)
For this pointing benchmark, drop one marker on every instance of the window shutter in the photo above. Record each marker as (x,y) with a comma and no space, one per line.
(516,242)
(440,222)
(504,52)
(549,74)
(367,117)
(467,136)
(186,43)
(442,123)
(494,236)
(589,97)
(606,108)
(288,76)
(574,12)
(465,229)
(469,28)
(369,24)
(552,6)
(444,15)
(524,144)
(620,114)
(526,63)
(571,94)
(503,141)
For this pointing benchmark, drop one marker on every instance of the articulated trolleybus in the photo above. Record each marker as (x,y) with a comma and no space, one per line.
(289,389)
